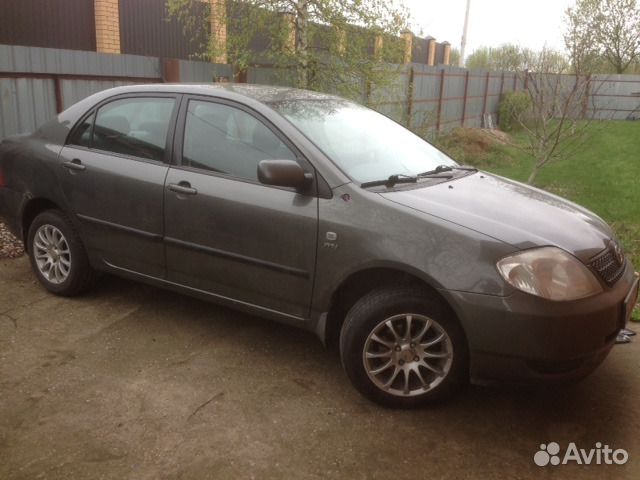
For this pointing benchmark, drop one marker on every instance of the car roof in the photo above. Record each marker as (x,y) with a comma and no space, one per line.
(261,93)
(258,97)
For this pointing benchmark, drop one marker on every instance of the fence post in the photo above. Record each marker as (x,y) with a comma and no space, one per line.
(170,70)
(57,89)
(368,87)
(585,107)
(486,94)
(408,47)
(410,97)
(431,52)
(500,98)
(464,101)
(442,80)
(515,81)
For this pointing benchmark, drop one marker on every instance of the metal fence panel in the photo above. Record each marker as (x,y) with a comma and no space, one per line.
(34,82)
(146,28)
(271,76)
(475,99)
(615,97)
(494,92)
(426,90)
(202,72)
(392,99)
(25,103)
(51,23)
(75,90)
(452,98)
(74,62)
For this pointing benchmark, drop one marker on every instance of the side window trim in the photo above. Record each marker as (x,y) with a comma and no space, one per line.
(93,116)
(90,114)
(170,139)
(181,130)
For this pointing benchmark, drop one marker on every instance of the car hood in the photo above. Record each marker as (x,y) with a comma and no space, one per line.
(512,212)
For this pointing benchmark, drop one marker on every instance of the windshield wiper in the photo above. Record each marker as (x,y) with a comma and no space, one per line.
(391,181)
(402,178)
(446,168)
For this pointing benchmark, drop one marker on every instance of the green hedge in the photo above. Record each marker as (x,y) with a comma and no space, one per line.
(512,107)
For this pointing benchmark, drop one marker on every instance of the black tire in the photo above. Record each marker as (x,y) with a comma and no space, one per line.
(81,276)
(370,312)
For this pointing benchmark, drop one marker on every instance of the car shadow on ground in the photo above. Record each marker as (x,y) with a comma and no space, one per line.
(129,369)
(286,344)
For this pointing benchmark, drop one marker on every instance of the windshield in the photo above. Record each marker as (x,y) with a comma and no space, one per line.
(366,145)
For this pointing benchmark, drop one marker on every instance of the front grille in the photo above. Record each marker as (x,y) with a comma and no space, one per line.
(609,265)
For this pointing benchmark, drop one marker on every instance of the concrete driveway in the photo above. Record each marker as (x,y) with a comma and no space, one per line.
(134,382)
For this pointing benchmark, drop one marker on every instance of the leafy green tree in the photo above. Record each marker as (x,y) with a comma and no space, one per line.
(331,45)
(506,57)
(603,29)
(513,58)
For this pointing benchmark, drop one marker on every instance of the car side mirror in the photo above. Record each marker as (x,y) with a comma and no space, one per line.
(283,173)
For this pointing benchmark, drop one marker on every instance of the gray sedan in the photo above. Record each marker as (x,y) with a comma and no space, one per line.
(315,211)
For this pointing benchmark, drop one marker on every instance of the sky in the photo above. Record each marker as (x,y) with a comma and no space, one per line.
(528,23)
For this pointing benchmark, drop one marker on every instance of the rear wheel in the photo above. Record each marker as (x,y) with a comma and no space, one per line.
(57,255)
(401,348)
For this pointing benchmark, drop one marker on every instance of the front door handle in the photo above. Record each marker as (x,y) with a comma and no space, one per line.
(74,164)
(184,188)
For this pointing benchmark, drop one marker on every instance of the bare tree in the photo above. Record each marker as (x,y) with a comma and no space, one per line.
(608,29)
(559,115)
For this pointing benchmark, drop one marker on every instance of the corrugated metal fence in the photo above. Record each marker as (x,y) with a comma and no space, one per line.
(48,23)
(35,83)
(426,97)
(147,29)
(615,97)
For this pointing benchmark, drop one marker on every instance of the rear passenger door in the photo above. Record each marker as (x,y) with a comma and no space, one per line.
(226,233)
(113,171)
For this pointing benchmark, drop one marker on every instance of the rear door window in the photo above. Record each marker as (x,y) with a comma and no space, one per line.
(131,126)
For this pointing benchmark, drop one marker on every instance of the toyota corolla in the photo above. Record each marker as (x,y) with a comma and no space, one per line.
(315,211)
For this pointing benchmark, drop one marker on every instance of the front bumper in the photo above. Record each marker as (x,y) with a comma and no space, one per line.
(523,338)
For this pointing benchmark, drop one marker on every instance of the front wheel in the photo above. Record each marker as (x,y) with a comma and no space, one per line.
(401,348)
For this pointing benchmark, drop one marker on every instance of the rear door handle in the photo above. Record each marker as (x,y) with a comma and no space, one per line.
(184,188)
(74,164)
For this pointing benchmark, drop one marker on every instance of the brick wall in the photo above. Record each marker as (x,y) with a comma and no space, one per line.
(107,26)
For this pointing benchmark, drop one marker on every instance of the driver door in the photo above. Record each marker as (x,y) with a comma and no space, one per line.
(226,233)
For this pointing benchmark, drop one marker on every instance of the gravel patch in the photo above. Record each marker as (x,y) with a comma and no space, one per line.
(10,246)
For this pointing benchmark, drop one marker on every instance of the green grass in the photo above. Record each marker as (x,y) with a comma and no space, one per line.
(603,175)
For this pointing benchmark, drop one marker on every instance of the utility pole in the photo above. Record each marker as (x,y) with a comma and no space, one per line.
(464,35)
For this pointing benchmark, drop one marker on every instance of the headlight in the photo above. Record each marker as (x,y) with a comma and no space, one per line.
(550,273)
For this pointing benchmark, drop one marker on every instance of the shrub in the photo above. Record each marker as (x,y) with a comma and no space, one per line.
(477,147)
(512,107)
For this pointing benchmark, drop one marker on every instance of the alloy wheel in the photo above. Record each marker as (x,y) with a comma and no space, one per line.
(52,254)
(407,355)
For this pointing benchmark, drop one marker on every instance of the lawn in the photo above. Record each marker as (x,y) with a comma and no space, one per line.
(603,174)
